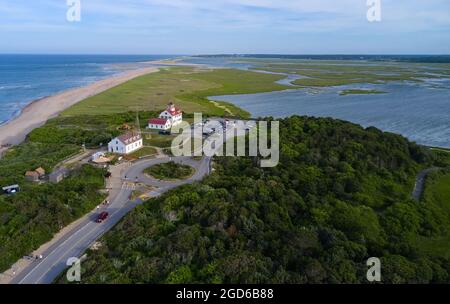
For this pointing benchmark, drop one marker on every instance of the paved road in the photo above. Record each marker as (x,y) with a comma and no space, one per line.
(76,241)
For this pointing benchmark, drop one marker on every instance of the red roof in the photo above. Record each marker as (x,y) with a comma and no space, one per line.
(173,110)
(130,138)
(158,121)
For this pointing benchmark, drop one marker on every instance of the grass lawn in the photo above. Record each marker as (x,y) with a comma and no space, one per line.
(437,192)
(189,88)
(170,171)
(145,151)
(158,140)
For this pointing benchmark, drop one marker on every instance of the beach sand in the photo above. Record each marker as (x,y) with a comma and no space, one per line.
(38,112)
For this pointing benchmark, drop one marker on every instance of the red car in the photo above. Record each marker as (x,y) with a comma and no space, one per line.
(102,216)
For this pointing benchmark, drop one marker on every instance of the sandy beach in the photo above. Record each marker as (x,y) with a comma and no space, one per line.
(38,112)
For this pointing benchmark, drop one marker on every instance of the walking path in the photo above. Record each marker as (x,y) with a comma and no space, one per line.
(420,182)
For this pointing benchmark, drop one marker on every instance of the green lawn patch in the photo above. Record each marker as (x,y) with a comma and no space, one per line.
(158,140)
(437,195)
(144,152)
(170,170)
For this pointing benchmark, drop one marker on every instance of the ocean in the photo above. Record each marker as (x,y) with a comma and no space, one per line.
(25,78)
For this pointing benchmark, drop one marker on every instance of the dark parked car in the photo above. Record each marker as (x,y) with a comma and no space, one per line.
(102,216)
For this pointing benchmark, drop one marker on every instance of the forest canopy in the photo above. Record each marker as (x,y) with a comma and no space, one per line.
(340,195)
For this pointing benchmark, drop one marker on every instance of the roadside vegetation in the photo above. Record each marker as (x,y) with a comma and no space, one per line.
(31,155)
(170,171)
(32,217)
(437,196)
(340,195)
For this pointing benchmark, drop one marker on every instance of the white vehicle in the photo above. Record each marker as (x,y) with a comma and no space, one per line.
(208,131)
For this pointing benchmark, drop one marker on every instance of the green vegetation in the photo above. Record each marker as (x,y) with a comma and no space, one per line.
(442,157)
(32,216)
(91,130)
(170,170)
(437,196)
(159,140)
(335,73)
(340,195)
(188,87)
(30,156)
(144,152)
(360,92)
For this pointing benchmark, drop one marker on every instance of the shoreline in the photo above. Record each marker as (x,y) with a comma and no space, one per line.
(17,113)
(35,114)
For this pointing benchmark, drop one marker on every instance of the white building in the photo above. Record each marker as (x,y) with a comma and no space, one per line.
(126,144)
(172,113)
(96,156)
(161,124)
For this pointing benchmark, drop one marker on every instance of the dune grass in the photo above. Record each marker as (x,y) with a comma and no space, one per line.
(188,87)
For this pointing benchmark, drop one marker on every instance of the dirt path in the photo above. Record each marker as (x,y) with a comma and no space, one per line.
(420,182)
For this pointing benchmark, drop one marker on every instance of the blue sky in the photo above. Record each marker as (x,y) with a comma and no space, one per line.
(225,26)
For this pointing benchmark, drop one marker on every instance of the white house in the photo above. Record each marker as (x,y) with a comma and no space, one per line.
(172,113)
(161,124)
(126,144)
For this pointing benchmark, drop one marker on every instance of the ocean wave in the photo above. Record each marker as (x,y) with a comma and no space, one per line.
(15,87)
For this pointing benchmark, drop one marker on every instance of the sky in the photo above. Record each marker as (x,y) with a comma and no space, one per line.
(225,26)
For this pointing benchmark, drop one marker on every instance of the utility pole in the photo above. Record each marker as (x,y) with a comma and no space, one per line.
(138,123)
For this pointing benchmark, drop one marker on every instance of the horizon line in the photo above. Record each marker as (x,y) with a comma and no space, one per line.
(227,54)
